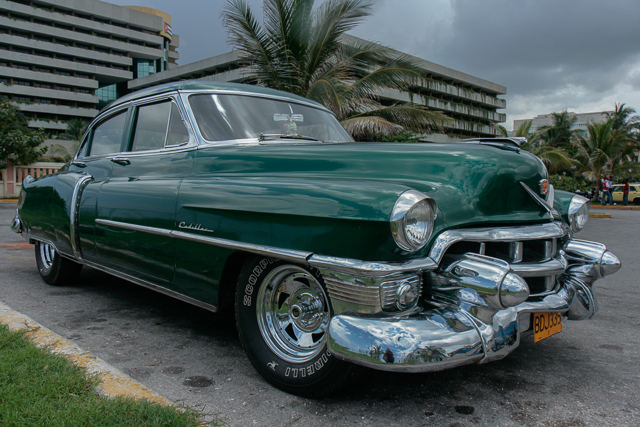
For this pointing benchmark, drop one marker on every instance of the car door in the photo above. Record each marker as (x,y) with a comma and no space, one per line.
(84,175)
(136,205)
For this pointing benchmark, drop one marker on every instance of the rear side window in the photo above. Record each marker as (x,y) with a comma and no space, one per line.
(158,126)
(107,136)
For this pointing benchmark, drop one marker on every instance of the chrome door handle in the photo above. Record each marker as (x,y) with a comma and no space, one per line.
(120,160)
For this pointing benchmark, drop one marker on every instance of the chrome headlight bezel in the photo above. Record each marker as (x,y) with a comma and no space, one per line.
(578,212)
(412,220)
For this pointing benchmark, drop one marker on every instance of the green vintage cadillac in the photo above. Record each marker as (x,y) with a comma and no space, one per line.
(333,254)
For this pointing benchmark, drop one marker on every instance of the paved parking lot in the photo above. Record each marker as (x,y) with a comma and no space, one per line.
(586,376)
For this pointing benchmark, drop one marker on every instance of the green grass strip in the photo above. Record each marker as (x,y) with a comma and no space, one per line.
(38,388)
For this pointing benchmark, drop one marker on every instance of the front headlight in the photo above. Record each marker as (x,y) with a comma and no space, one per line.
(412,220)
(578,212)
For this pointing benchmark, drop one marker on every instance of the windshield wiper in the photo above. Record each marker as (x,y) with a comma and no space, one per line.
(264,136)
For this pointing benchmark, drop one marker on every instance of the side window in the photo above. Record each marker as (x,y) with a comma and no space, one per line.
(617,188)
(178,133)
(107,136)
(157,126)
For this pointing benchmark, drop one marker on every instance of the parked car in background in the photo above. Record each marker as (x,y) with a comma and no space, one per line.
(634,193)
(400,257)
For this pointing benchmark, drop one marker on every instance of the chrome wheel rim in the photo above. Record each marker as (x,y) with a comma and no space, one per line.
(47,255)
(293,314)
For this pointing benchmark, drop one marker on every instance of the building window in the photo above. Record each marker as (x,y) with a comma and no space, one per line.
(21,83)
(144,67)
(79,90)
(22,98)
(44,101)
(106,94)
(43,85)
(64,88)
(42,70)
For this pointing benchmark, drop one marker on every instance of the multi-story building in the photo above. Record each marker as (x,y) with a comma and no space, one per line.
(471,102)
(65,59)
(580,125)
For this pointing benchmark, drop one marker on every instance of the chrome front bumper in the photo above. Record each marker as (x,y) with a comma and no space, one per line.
(451,329)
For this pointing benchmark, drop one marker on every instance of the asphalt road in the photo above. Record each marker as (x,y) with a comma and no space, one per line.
(588,375)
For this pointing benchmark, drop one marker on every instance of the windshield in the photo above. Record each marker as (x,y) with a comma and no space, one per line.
(228,117)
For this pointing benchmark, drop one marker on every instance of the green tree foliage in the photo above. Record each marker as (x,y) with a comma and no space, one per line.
(555,158)
(606,151)
(560,134)
(75,131)
(303,50)
(18,143)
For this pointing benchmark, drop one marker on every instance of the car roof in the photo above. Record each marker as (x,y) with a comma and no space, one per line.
(196,85)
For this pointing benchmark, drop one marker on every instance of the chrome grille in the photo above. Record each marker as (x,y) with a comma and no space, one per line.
(532,251)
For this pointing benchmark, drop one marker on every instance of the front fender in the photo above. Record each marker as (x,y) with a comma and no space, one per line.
(343,218)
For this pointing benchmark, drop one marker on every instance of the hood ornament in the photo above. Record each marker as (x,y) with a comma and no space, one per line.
(547,189)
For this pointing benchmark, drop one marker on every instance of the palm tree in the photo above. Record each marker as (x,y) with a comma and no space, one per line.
(554,158)
(75,131)
(604,151)
(624,119)
(560,134)
(304,50)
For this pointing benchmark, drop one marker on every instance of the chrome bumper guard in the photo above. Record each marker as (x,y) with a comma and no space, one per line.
(475,312)
(16,224)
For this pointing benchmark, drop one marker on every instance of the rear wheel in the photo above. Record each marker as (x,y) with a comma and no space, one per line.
(54,269)
(283,314)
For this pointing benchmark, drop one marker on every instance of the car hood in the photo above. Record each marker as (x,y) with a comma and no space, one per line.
(472,184)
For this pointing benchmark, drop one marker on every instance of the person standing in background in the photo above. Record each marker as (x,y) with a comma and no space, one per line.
(625,192)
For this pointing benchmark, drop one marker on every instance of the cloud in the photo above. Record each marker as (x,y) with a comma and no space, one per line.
(550,54)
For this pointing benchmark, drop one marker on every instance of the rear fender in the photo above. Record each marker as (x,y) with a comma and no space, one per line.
(59,195)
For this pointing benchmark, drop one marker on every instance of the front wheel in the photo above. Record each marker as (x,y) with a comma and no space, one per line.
(54,269)
(283,314)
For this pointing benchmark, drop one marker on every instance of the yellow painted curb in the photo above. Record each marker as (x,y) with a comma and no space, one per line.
(599,215)
(113,382)
(9,200)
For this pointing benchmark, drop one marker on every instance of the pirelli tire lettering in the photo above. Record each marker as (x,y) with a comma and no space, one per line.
(310,369)
(283,313)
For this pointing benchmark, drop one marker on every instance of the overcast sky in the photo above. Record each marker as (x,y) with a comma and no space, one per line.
(551,55)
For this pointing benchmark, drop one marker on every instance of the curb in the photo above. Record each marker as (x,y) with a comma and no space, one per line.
(617,207)
(113,382)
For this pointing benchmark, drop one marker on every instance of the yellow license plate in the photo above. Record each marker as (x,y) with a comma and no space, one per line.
(545,325)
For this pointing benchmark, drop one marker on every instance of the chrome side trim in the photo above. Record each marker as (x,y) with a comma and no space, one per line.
(74,236)
(286,254)
(134,227)
(511,234)
(345,265)
(152,286)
